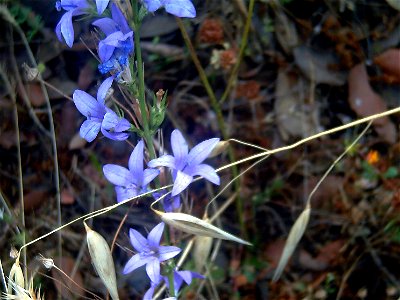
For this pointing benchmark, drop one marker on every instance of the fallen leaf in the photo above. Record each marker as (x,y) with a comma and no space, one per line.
(317,66)
(330,252)
(67,288)
(76,142)
(35,94)
(294,117)
(365,102)
(65,86)
(34,199)
(285,31)
(67,197)
(389,62)
(86,76)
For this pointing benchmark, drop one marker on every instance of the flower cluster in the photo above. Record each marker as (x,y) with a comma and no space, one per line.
(115,51)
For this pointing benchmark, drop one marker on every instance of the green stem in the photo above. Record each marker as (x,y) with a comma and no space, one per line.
(142,98)
(243,45)
(171,283)
(220,119)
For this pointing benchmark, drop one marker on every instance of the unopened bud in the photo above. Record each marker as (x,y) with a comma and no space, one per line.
(219,148)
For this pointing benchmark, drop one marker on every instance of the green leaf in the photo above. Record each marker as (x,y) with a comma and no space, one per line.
(391,172)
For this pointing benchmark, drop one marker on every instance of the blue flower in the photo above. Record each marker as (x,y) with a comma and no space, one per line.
(182,276)
(64,28)
(179,278)
(179,8)
(99,117)
(133,181)
(184,164)
(150,253)
(170,203)
(115,49)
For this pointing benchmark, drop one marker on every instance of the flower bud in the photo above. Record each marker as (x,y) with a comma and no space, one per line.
(219,148)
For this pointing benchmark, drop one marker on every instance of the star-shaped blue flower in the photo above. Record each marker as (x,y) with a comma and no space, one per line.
(115,49)
(179,278)
(179,8)
(150,253)
(170,203)
(99,117)
(182,276)
(184,164)
(133,181)
(64,28)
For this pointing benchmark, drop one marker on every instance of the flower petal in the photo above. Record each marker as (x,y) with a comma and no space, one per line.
(107,25)
(153,269)
(87,105)
(67,29)
(135,163)
(119,18)
(182,181)
(89,130)
(149,175)
(204,170)
(201,151)
(124,193)
(101,5)
(135,262)
(180,8)
(149,293)
(163,161)
(138,241)
(187,276)
(115,136)
(179,148)
(112,121)
(105,51)
(167,252)
(155,235)
(117,175)
(103,89)
(152,5)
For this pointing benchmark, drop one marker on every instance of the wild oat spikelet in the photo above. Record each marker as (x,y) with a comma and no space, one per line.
(295,234)
(102,260)
(189,224)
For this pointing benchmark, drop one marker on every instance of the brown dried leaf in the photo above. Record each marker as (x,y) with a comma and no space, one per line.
(330,252)
(389,61)
(76,142)
(294,117)
(34,199)
(365,102)
(67,197)
(35,94)
(317,66)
